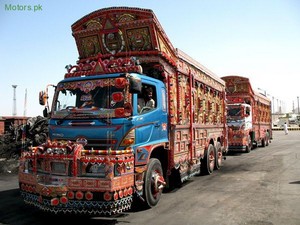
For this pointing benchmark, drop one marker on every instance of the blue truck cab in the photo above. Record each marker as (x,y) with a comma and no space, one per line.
(102,112)
(104,148)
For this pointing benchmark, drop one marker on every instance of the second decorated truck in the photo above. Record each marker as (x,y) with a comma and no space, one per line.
(249,115)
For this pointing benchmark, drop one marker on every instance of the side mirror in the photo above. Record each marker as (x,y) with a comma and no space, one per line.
(135,85)
(43,97)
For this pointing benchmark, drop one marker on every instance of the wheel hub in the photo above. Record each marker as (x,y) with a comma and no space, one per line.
(158,182)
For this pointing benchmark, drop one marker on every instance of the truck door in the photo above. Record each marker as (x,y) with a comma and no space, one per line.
(151,111)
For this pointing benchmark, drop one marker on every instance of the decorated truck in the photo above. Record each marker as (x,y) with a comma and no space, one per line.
(105,151)
(248,115)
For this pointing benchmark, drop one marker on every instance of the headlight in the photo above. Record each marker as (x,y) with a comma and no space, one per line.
(56,151)
(129,138)
(59,168)
(96,170)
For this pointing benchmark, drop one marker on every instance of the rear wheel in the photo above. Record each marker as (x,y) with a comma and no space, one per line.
(267,139)
(219,156)
(263,142)
(154,182)
(208,162)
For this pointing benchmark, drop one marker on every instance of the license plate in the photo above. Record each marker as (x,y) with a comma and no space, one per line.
(58,167)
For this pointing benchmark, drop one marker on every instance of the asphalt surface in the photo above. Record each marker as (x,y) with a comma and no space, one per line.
(259,188)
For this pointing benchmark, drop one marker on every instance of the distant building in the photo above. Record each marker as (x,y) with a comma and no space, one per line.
(7,121)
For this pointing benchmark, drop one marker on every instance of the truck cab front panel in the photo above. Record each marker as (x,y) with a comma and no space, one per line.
(64,177)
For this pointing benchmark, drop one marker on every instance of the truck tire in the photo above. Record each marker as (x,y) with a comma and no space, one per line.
(267,139)
(263,142)
(208,162)
(152,186)
(249,145)
(219,156)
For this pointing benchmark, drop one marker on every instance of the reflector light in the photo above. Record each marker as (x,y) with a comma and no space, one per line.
(54,201)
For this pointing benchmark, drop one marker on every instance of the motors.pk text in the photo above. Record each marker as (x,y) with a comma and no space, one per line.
(19,7)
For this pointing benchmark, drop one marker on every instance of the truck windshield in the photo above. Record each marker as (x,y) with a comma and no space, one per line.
(102,98)
(234,111)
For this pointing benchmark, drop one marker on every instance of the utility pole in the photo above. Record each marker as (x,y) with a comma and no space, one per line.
(25,103)
(293,107)
(298,103)
(14,113)
(273,104)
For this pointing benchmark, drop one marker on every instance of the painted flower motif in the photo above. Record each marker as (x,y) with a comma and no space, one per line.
(120,82)
(107,196)
(87,86)
(117,96)
(119,112)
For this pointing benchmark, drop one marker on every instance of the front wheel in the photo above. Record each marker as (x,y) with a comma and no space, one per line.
(249,145)
(154,182)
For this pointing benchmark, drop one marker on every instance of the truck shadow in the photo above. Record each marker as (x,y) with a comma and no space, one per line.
(235,153)
(15,212)
(295,182)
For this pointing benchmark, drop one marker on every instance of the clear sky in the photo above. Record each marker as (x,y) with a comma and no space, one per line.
(258,39)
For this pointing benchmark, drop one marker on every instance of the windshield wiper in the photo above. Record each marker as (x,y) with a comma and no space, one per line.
(105,120)
(70,112)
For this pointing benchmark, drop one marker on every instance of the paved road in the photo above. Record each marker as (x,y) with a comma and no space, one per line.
(259,188)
